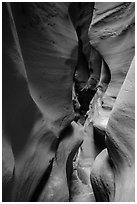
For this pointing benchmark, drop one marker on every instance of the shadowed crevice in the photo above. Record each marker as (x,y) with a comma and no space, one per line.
(42,183)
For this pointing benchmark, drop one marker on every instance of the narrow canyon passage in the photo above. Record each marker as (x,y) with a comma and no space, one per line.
(68,101)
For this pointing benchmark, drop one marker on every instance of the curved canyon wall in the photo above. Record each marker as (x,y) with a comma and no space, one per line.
(63,106)
(112,34)
(35,100)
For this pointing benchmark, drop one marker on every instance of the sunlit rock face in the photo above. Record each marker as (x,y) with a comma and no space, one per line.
(54,52)
(112,33)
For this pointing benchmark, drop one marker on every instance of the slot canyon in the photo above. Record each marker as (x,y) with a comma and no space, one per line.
(68,102)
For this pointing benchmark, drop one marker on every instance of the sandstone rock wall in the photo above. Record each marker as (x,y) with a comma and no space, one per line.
(39,57)
(50,49)
(112,34)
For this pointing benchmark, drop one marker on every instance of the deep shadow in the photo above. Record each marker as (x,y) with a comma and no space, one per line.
(38,190)
(99,138)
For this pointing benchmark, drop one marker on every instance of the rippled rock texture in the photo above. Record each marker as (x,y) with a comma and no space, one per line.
(68,102)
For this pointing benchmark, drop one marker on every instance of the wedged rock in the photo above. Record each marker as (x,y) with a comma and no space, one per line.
(98,113)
